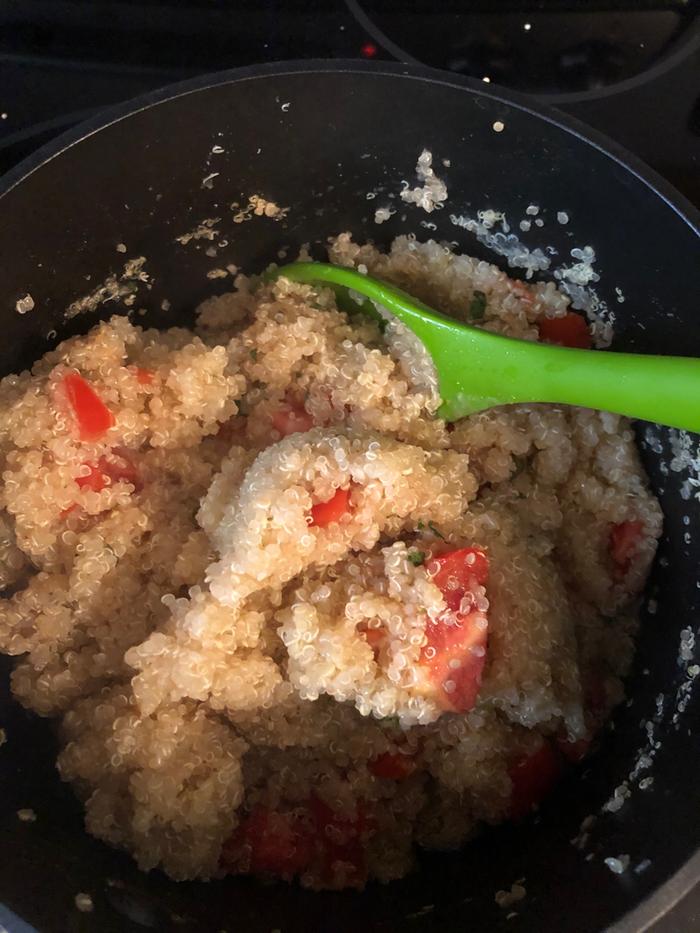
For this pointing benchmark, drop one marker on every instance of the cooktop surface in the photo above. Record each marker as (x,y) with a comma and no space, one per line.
(631,68)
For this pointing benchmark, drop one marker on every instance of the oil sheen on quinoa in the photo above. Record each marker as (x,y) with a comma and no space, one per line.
(290,622)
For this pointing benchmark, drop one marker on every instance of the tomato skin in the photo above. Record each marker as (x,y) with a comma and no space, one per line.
(93,417)
(624,541)
(323,513)
(455,650)
(393,766)
(533,778)
(291,418)
(571,330)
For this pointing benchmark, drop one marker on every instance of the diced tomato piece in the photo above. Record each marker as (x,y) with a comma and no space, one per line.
(341,842)
(117,467)
(373,636)
(454,572)
(269,843)
(571,330)
(394,766)
(455,655)
(624,544)
(455,650)
(93,417)
(291,418)
(324,817)
(533,778)
(144,377)
(323,513)
(95,480)
(314,836)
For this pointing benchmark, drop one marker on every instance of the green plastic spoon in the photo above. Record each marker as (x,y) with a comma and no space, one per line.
(477,369)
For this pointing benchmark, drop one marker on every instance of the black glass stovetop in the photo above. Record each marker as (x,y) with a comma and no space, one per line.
(630,68)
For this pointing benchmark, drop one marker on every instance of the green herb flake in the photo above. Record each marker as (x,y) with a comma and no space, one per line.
(434,530)
(477,306)
(417,558)
(254,355)
(390,722)
(420,526)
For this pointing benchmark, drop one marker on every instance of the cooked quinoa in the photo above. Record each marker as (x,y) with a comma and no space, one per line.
(290,622)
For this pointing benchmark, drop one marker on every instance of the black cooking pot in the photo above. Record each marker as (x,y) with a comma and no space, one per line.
(317,138)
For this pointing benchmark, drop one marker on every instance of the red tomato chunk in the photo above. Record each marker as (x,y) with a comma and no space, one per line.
(92,415)
(341,843)
(118,467)
(374,636)
(291,418)
(95,480)
(144,376)
(323,513)
(394,766)
(454,572)
(455,652)
(312,837)
(533,778)
(267,842)
(625,539)
(569,331)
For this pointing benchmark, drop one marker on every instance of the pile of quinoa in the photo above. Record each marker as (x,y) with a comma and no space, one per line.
(242,685)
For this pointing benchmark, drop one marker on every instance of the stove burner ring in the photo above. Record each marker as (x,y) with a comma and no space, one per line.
(590,60)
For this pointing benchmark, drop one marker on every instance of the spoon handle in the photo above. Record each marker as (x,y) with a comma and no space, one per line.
(662,389)
(478,369)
